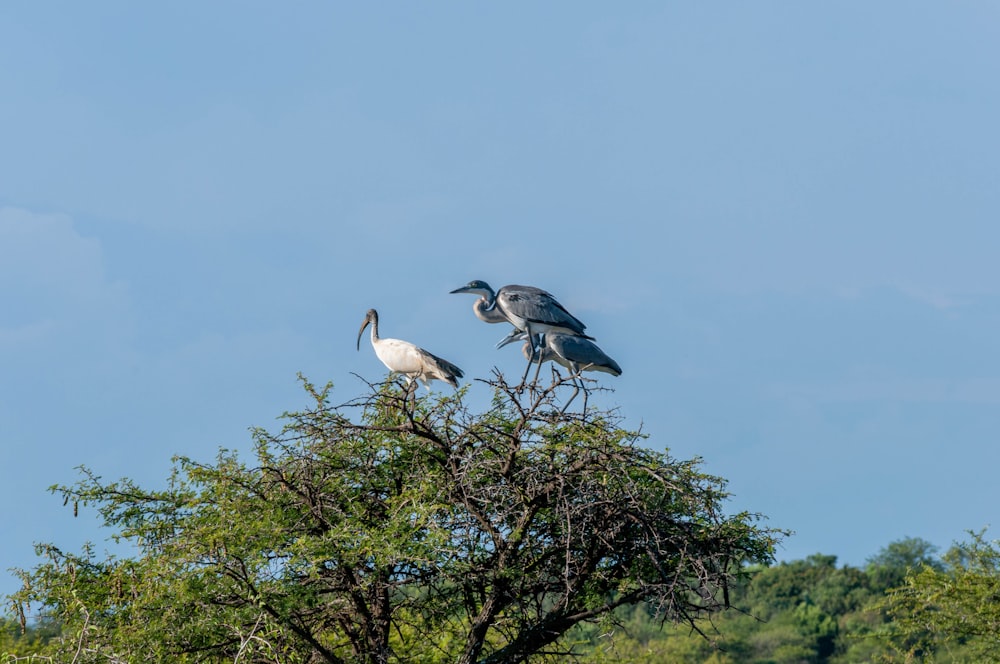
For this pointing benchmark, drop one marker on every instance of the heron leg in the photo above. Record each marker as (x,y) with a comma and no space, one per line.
(524,378)
(576,390)
(538,370)
(537,344)
(535,353)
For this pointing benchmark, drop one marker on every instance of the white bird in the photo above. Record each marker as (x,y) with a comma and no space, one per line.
(405,358)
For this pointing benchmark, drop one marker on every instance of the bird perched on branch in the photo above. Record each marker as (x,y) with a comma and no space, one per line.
(405,358)
(529,309)
(575,353)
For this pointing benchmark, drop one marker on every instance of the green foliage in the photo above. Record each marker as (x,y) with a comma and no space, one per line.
(806,610)
(25,642)
(403,529)
(396,528)
(951,611)
(890,566)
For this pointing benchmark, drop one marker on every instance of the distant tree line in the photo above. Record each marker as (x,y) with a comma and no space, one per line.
(905,605)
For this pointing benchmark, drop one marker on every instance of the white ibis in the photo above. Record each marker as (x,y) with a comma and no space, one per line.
(402,357)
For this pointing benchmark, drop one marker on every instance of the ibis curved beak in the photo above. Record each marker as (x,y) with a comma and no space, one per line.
(362,331)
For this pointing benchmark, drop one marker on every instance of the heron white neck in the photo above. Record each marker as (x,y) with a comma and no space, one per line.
(487,311)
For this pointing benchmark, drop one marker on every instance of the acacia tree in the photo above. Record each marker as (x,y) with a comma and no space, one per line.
(396,528)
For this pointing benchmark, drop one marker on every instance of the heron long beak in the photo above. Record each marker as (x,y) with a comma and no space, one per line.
(463,289)
(515,335)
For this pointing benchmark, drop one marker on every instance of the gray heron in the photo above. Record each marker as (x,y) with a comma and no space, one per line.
(527,308)
(530,310)
(575,353)
(402,357)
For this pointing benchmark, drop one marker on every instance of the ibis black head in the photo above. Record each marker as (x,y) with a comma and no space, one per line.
(370,317)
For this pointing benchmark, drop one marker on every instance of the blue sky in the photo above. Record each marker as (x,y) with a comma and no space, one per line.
(779,218)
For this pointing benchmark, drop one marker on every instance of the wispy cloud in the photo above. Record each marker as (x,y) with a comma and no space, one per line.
(53,282)
(935,297)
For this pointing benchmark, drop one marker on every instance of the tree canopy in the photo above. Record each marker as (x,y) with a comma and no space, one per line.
(949,610)
(395,528)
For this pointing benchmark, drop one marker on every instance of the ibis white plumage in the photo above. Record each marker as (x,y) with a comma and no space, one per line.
(405,358)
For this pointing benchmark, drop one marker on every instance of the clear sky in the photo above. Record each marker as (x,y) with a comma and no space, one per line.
(782,219)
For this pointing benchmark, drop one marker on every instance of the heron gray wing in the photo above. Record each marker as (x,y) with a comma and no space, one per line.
(582,352)
(536,305)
